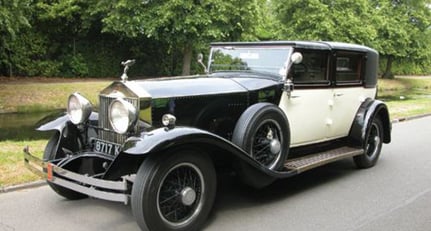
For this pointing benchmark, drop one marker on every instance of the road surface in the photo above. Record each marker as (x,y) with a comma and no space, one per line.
(394,195)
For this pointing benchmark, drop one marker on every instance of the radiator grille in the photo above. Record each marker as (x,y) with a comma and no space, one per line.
(107,132)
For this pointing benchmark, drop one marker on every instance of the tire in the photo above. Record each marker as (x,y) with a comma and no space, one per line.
(263,132)
(50,153)
(174,191)
(372,145)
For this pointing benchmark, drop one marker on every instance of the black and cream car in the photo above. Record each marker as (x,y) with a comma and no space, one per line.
(265,110)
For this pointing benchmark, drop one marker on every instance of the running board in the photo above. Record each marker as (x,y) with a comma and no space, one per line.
(311,161)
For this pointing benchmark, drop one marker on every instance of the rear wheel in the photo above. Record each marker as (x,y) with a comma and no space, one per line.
(51,153)
(174,191)
(372,145)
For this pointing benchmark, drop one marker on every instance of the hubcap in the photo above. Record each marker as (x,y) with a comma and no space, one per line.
(188,196)
(275,146)
(266,147)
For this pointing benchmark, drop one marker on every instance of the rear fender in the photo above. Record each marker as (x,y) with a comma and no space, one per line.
(368,110)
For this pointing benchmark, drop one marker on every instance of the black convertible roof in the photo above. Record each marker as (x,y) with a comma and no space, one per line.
(321,45)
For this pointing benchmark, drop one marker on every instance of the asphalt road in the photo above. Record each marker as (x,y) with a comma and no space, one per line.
(394,195)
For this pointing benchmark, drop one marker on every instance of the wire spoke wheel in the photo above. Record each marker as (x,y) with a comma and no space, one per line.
(174,191)
(266,143)
(179,194)
(373,141)
(262,131)
(372,145)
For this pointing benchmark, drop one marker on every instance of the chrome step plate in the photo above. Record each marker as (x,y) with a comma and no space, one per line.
(311,161)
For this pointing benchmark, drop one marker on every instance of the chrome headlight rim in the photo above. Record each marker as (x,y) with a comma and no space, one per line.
(78,108)
(122,115)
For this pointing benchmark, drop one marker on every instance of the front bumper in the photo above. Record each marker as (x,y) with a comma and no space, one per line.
(118,191)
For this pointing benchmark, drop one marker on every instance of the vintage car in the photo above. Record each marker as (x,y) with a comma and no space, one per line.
(264,110)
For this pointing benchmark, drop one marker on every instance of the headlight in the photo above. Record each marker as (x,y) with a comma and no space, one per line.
(78,108)
(122,115)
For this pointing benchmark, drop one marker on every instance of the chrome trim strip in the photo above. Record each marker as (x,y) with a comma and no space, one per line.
(91,191)
(32,163)
(107,184)
(77,182)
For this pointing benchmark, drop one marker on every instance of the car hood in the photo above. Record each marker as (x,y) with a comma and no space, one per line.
(201,85)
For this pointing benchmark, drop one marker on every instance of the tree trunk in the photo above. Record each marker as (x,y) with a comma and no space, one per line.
(10,63)
(388,71)
(187,59)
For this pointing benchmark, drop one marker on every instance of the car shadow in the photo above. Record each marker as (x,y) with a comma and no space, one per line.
(232,194)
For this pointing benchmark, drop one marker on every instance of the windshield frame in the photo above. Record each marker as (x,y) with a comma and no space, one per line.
(282,68)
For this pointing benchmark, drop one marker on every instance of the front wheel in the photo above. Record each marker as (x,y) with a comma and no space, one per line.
(51,153)
(372,145)
(174,191)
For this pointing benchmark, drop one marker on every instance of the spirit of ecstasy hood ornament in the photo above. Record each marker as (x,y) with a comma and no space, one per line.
(126,65)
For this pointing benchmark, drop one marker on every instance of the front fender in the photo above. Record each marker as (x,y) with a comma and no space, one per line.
(162,140)
(55,121)
(59,120)
(368,110)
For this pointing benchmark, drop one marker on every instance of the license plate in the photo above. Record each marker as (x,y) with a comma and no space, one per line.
(106,147)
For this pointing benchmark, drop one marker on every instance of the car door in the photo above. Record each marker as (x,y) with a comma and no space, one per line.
(348,92)
(307,106)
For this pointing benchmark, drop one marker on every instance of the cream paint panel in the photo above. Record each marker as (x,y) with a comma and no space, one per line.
(308,113)
(346,102)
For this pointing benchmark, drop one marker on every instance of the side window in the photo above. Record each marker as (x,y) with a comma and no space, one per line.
(312,70)
(348,68)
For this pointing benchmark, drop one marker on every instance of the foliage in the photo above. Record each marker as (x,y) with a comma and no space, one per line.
(404,31)
(328,20)
(184,24)
(91,38)
(397,29)
(12,21)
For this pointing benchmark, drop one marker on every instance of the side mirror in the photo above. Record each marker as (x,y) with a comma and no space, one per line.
(296,58)
(200,61)
(200,57)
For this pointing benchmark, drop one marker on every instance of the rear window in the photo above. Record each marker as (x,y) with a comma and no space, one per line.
(349,68)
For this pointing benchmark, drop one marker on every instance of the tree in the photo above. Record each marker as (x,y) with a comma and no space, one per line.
(184,24)
(404,31)
(334,20)
(398,29)
(12,20)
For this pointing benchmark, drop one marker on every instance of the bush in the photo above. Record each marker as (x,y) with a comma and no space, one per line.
(405,67)
(74,66)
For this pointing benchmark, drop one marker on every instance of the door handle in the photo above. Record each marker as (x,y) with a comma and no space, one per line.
(338,94)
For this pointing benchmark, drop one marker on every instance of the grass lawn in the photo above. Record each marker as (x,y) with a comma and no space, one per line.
(12,163)
(37,97)
(404,97)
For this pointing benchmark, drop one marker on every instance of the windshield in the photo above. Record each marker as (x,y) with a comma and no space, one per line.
(271,60)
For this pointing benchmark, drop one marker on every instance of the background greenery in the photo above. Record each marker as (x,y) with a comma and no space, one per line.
(89,38)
